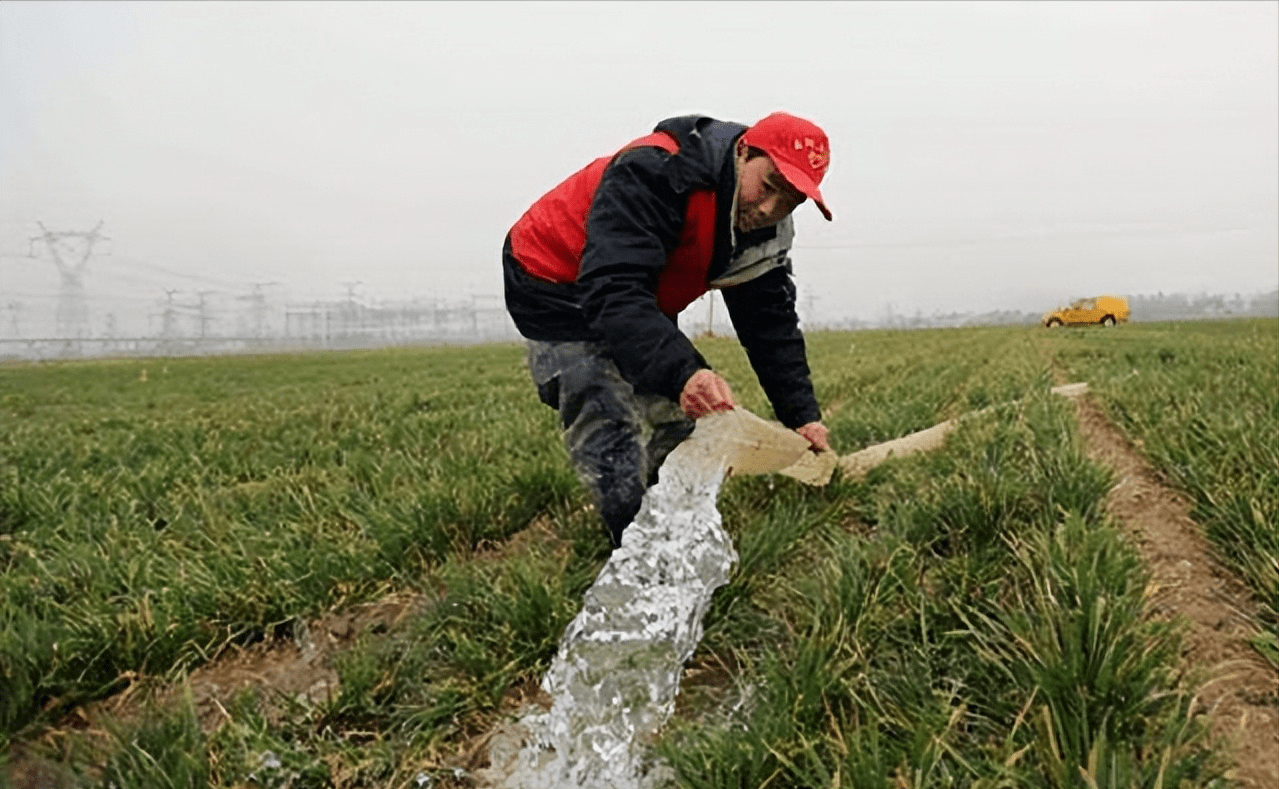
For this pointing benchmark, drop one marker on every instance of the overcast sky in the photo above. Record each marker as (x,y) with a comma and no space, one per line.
(984,155)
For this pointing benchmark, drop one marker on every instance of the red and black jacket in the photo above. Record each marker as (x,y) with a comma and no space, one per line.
(618,249)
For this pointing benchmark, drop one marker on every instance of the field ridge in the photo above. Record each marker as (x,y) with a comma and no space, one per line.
(1188,583)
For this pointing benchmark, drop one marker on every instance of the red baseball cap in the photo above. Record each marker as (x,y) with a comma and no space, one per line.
(799,150)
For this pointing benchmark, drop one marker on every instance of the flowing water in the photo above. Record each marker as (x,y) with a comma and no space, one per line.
(616,675)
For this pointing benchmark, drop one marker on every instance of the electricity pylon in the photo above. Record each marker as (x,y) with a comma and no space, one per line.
(14,308)
(203,308)
(257,308)
(168,329)
(73,312)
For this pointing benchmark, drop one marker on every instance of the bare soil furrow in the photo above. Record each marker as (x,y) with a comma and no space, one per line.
(1241,695)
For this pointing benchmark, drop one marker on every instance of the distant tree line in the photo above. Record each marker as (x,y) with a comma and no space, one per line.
(1145,309)
(1179,306)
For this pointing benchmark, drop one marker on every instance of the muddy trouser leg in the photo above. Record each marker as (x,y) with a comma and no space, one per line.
(670,426)
(606,425)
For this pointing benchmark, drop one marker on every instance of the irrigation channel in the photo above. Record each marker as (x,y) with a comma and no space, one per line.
(614,680)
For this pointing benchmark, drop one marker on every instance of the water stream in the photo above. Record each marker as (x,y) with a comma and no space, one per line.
(615,677)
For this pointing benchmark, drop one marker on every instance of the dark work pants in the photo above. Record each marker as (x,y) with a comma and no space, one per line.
(616,437)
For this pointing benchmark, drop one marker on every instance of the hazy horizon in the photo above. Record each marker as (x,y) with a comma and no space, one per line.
(984,155)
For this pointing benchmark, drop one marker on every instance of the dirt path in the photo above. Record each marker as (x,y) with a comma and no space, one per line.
(1241,698)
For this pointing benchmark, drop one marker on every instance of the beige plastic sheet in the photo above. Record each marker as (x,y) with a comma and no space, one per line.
(751,445)
(858,463)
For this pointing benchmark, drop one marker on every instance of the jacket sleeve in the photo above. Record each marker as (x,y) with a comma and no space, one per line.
(763,314)
(635,220)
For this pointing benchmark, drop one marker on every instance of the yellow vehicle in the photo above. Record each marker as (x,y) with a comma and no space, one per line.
(1106,310)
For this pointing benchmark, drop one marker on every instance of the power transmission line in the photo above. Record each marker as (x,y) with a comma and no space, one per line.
(258,308)
(73,311)
(14,308)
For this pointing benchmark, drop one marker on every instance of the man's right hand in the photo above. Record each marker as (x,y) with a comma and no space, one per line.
(705,393)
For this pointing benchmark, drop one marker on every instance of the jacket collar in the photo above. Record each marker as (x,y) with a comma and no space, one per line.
(706,159)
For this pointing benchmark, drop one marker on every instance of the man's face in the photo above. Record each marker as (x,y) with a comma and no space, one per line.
(764,198)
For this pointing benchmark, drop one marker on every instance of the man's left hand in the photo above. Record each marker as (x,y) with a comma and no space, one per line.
(817,435)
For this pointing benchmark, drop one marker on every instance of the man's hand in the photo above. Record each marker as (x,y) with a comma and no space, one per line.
(817,435)
(704,393)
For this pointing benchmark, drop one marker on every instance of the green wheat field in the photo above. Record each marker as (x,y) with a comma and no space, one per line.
(967,617)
